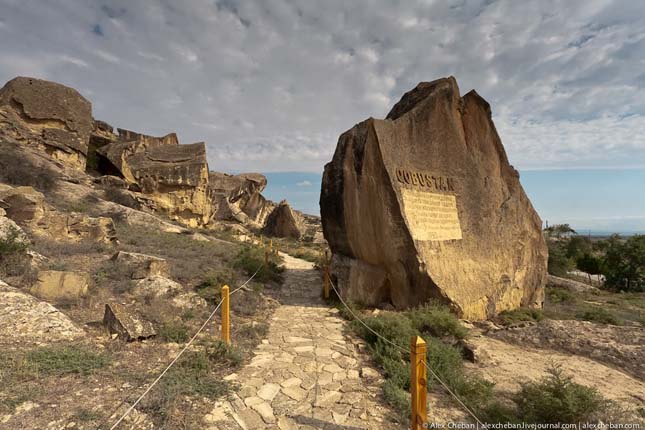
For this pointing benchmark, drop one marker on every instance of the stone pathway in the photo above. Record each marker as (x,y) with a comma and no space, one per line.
(307,373)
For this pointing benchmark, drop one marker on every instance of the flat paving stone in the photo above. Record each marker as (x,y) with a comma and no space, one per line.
(306,373)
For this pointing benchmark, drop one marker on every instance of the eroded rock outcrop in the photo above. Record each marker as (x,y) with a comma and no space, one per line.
(238,198)
(285,222)
(173,177)
(48,115)
(425,205)
(28,208)
(25,319)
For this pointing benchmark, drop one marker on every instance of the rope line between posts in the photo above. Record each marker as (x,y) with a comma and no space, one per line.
(181,352)
(472,414)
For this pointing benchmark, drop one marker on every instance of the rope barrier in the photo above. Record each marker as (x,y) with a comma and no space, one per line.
(180,353)
(466,408)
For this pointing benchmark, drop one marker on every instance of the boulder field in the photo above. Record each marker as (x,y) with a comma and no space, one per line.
(425,205)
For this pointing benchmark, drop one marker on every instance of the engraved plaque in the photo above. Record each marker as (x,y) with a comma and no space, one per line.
(431,216)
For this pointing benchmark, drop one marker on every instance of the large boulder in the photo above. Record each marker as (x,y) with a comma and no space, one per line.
(285,222)
(238,198)
(425,204)
(172,177)
(126,323)
(141,266)
(48,115)
(61,286)
(25,319)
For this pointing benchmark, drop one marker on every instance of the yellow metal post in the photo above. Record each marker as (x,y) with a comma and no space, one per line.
(418,383)
(326,284)
(226,316)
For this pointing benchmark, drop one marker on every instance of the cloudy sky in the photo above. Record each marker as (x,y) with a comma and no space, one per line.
(270,84)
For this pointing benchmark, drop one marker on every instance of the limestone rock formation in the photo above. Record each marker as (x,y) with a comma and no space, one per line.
(156,286)
(173,177)
(54,285)
(425,204)
(285,222)
(25,319)
(126,324)
(239,198)
(141,266)
(28,208)
(48,115)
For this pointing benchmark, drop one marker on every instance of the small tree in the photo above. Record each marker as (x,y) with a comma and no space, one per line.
(624,263)
(590,264)
(559,230)
(577,247)
(559,264)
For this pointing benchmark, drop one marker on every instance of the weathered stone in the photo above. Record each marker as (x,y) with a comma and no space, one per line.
(173,177)
(61,286)
(285,222)
(268,391)
(23,318)
(156,286)
(28,207)
(569,284)
(126,324)
(50,116)
(238,198)
(425,205)
(141,265)
(10,230)
(24,205)
(83,227)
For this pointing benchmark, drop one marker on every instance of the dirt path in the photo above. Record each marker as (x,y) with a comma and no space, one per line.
(307,373)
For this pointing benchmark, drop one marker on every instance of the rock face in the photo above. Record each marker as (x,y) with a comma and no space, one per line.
(51,116)
(285,222)
(425,205)
(173,177)
(239,198)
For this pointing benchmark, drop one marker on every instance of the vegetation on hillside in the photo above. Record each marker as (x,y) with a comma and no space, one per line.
(555,398)
(620,260)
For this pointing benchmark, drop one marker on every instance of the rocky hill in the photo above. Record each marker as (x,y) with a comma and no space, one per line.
(49,129)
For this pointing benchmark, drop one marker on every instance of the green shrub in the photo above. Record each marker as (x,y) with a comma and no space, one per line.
(220,352)
(397,397)
(437,321)
(211,286)
(174,332)
(599,315)
(250,259)
(559,295)
(192,375)
(557,399)
(519,315)
(443,359)
(12,243)
(253,331)
(61,360)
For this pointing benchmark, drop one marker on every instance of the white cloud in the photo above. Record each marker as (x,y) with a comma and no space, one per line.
(304,184)
(271,87)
